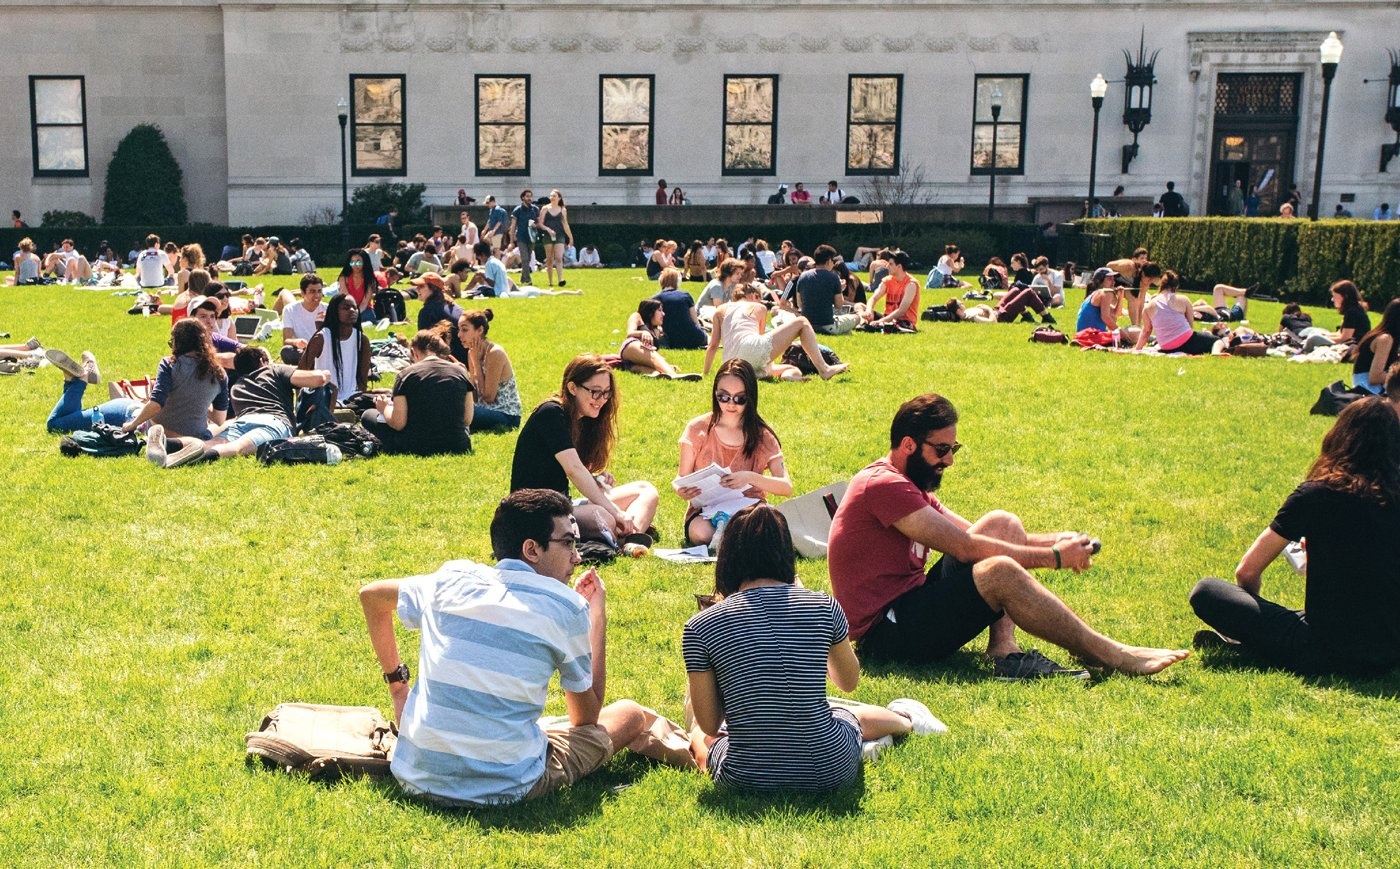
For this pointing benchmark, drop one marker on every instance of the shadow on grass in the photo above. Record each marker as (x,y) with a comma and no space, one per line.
(759,806)
(960,667)
(1385,686)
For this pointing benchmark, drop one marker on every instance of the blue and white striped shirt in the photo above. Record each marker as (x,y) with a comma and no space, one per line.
(491,638)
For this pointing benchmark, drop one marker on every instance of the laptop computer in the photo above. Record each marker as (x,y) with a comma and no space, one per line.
(245,327)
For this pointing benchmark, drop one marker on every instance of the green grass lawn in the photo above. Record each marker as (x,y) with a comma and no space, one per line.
(151,618)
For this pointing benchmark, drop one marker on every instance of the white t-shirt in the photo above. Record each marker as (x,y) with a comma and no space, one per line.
(470,231)
(150,267)
(300,322)
(588,257)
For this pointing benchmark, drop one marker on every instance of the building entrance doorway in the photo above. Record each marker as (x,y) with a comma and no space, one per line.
(1255,141)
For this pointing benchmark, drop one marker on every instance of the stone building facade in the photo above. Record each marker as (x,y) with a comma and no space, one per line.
(726,100)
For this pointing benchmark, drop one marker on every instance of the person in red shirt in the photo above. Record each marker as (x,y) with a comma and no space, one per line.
(661,191)
(900,291)
(889,521)
(800,196)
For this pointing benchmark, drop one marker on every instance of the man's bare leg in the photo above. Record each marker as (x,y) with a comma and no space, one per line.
(1007,586)
(1001,636)
(1221,291)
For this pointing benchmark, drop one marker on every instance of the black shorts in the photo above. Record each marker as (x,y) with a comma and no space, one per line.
(933,620)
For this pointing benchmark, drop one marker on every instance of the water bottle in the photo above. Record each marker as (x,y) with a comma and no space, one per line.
(720,520)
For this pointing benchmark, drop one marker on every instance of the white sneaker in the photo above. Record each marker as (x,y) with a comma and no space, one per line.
(919,716)
(191,451)
(264,332)
(155,445)
(872,749)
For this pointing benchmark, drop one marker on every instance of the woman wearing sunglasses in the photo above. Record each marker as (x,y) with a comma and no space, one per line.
(358,281)
(569,438)
(732,435)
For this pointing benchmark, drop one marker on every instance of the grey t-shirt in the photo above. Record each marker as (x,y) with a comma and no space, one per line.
(185,397)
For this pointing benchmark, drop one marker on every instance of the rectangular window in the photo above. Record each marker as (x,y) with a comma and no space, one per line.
(377,128)
(58,125)
(750,125)
(626,110)
(503,125)
(1008,91)
(873,104)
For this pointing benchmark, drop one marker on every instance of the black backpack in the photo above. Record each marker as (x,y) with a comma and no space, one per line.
(389,305)
(354,441)
(795,356)
(104,441)
(313,450)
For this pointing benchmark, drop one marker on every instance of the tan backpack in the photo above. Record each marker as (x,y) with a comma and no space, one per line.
(325,742)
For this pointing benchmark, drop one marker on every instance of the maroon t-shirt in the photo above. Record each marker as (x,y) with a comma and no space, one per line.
(871,562)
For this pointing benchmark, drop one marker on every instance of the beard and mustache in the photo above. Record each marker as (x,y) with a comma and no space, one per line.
(928,477)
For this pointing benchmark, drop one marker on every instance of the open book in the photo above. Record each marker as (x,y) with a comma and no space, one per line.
(713,498)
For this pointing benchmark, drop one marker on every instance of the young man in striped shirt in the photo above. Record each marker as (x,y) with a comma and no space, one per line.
(470,729)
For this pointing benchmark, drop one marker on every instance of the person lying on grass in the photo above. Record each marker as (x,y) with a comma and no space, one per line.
(888,523)
(263,409)
(471,731)
(1348,511)
(763,721)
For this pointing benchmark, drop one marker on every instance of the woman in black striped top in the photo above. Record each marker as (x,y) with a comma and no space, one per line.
(757,665)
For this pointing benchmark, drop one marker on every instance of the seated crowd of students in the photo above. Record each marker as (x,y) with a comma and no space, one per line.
(761,717)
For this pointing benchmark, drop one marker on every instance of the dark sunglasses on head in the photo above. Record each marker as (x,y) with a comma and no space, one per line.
(942,450)
(737,400)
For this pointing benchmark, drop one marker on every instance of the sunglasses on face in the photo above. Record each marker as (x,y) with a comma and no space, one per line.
(738,400)
(942,450)
(355,262)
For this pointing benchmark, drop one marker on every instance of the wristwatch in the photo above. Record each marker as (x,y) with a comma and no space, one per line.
(398,674)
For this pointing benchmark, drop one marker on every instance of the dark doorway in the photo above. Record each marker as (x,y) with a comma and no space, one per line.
(1256,132)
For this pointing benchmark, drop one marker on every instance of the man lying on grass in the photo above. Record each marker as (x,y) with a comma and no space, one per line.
(880,538)
(470,731)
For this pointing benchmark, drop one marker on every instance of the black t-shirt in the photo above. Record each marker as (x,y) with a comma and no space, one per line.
(1173,204)
(437,403)
(855,291)
(817,290)
(1355,319)
(284,264)
(545,434)
(1023,276)
(268,390)
(1296,322)
(681,331)
(1353,583)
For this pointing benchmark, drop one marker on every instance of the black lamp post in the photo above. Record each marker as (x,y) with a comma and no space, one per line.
(1331,52)
(1098,88)
(342,108)
(1137,99)
(1392,110)
(992,192)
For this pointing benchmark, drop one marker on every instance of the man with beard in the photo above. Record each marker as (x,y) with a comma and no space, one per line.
(880,538)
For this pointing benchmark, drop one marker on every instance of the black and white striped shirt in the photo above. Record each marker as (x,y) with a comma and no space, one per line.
(768,649)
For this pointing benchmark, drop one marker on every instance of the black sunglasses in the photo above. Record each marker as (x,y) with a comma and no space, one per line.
(737,400)
(942,450)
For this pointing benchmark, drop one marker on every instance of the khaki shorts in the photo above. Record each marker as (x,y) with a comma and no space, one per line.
(841,324)
(573,753)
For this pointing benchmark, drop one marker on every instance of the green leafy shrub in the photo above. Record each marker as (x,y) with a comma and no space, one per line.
(1297,257)
(145,186)
(370,202)
(59,219)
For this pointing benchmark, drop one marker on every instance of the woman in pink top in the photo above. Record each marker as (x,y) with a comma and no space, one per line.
(732,435)
(1170,317)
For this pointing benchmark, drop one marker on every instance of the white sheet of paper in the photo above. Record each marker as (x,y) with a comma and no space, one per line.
(689,555)
(714,497)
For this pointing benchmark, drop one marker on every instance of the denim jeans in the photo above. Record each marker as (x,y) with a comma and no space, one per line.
(68,414)
(489,419)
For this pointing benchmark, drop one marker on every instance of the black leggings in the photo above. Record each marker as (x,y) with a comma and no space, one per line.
(1274,633)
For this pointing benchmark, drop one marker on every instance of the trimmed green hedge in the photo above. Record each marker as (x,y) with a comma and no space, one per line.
(1296,258)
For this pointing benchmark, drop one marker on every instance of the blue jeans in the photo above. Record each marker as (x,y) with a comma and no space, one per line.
(489,419)
(1363,380)
(68,414)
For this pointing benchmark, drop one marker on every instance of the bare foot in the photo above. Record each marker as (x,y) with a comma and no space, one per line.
(1140,661)
(833,370)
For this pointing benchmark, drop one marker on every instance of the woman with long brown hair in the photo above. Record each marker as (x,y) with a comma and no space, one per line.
(1377,351)
(569,438)
(1348,511)
(732,435)
(493,377)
